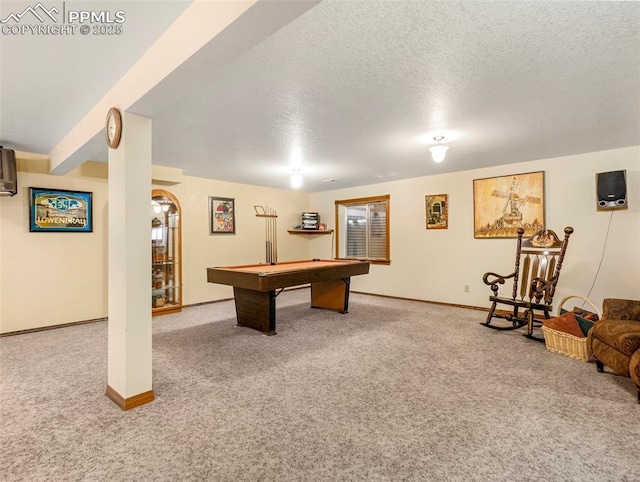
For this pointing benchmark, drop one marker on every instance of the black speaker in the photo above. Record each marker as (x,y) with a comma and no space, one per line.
(611,188)
(8,173)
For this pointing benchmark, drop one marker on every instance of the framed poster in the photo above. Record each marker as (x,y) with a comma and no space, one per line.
(503,204)
(59,210)
(437,211)
(222,215)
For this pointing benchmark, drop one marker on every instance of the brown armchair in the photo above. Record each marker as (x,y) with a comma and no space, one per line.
(615,340)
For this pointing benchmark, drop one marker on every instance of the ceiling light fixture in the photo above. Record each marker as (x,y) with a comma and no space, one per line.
(438,152)
(296,179)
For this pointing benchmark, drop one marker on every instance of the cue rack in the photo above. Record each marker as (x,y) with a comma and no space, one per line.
(271,244)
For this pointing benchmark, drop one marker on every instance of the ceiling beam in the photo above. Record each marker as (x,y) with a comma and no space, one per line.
(197,26)
(209,33)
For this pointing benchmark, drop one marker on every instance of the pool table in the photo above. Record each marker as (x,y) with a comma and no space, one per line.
(256,286)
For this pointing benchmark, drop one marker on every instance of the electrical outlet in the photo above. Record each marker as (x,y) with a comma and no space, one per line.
(466,288)
(500,290)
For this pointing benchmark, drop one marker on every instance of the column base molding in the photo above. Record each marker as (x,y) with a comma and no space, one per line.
(131,402)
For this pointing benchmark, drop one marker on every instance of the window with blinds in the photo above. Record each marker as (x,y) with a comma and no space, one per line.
(363,228)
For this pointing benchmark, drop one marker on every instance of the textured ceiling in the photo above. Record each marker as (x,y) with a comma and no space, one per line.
(344,91)
(49,82)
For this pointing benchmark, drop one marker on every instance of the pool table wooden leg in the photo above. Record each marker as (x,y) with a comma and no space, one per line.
(256,309)
(331,294)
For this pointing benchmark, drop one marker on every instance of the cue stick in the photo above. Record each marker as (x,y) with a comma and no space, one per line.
(270,224)
(275,239)
(270,236)
(270,232)
(266,238)
(270,220)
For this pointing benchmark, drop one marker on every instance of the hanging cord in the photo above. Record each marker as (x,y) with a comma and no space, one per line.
(333,233)
(604,248)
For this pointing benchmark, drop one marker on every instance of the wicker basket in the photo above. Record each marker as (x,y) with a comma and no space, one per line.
(566,344)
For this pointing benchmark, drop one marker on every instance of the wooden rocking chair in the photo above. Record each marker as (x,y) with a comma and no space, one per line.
(537,271)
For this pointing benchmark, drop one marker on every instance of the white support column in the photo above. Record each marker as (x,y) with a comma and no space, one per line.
(1,304)
(129,381)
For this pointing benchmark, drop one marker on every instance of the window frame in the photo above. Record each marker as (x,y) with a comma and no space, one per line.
(364,201)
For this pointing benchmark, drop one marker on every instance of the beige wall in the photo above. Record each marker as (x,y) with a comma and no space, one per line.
(55,278)
(436,264)
(51,278)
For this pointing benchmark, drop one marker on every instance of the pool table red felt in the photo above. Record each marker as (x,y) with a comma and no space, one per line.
(254,286)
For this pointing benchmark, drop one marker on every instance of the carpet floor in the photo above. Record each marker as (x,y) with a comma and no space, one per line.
(393,390)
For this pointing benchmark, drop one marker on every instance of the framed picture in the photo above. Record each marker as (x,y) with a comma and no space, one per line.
(222,215)
(437,209)
(58,210)
(503,204)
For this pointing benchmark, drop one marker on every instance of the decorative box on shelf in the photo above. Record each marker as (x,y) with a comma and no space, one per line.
(310,220)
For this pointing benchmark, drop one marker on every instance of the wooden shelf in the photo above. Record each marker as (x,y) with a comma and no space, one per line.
(310,231)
